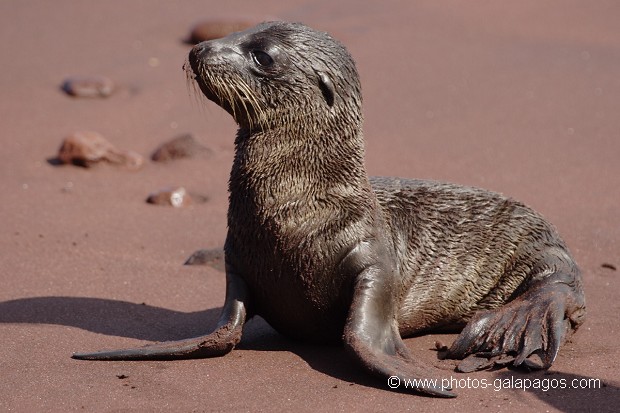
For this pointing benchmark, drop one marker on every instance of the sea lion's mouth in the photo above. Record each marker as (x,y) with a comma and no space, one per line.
(193,61)
(221,78)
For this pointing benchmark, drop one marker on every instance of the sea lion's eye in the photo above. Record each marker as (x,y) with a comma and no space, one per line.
(261,58)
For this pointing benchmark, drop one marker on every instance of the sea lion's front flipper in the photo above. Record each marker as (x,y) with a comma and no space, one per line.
(536,322)
(371,335)
(221,341)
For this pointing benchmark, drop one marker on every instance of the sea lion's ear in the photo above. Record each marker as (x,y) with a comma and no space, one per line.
(327,88)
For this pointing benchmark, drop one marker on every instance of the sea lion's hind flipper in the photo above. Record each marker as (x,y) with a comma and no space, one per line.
(371,336)
(221,341)
(535,323)
(211,345)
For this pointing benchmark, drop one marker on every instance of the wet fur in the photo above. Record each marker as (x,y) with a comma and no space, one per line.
(324,253)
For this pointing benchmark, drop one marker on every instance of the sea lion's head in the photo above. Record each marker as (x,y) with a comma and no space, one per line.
(280,75)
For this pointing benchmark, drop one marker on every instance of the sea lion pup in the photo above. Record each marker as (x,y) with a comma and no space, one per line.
(323,253)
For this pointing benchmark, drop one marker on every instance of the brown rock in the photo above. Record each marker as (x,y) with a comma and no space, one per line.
(214,29)
(184,146)
(86,148)
(176,197)
(440,346)
(88,86)
(213,258)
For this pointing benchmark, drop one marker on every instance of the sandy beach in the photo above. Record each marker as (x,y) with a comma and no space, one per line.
(517,97)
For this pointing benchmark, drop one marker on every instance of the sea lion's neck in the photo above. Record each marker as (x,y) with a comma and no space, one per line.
(276,168)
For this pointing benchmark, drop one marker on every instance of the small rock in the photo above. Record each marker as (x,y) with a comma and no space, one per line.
(86,148)
(176,197)
(213,258)
(439,346)
(214,29)
(183,146)
(88,86)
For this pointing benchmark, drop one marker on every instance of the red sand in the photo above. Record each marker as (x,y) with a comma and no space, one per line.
(518,97)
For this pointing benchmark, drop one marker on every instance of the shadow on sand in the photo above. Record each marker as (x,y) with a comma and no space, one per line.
(566,392)
(145,322)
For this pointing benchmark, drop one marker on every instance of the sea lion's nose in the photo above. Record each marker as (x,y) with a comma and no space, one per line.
(201,50)
(211,49)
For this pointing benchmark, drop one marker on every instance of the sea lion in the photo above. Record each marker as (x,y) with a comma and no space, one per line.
(324,253)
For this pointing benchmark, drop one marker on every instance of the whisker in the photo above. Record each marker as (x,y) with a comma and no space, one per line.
(230,91)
